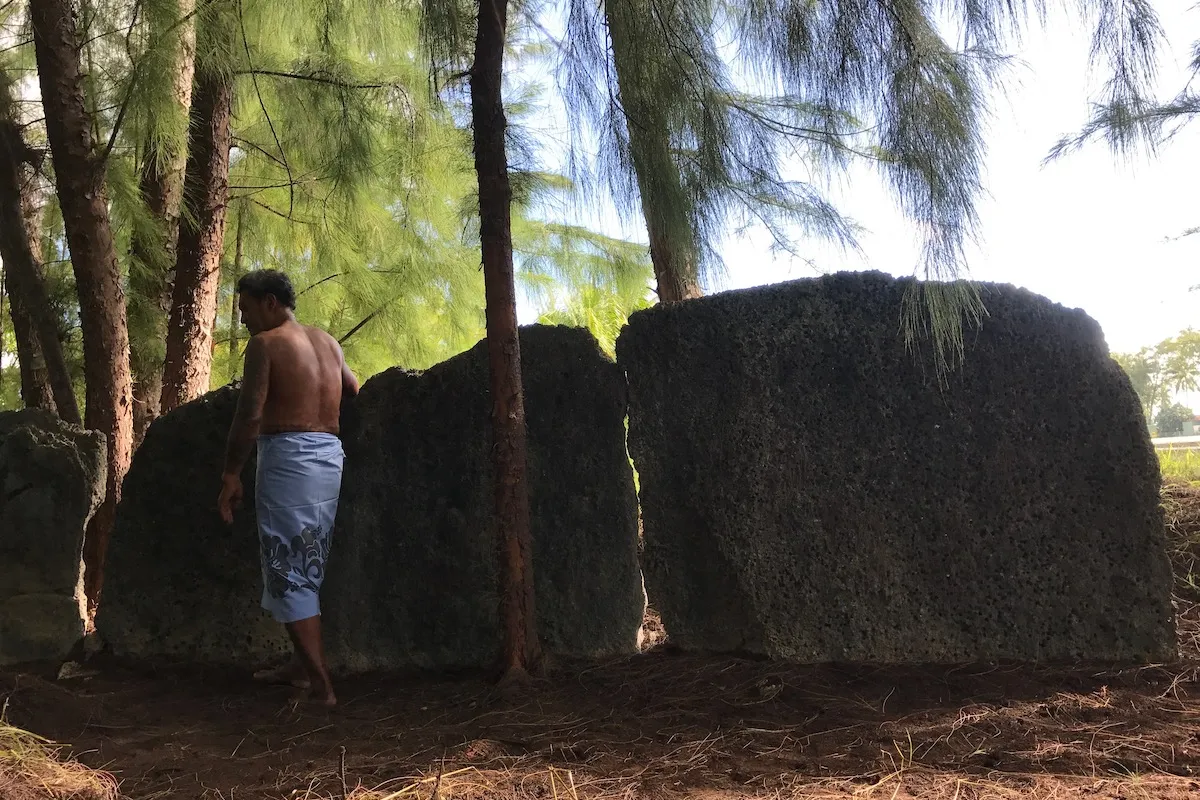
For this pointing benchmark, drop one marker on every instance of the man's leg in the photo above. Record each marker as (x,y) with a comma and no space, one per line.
(306,638)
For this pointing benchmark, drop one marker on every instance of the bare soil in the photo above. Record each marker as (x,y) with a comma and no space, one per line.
(658,725)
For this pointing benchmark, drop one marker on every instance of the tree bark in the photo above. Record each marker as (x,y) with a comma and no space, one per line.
(79,173)
(522,651)
(676,277)
(19,228)
(153,251)
(201,243)
(659,182)
(238,257)
(35,379)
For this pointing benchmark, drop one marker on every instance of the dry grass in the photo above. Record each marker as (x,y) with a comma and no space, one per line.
(1181,507)
(903,782)
(898,777)
(31,769)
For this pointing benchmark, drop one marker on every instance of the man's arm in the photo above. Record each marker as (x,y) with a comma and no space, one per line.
(248,418)
(349,382)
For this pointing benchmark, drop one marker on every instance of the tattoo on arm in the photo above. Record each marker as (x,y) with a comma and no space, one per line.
(248,418)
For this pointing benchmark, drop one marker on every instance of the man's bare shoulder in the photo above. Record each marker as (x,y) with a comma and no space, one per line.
(318,334)
(321,338)
(266,342)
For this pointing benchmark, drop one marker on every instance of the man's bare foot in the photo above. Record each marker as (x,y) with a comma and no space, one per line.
(288,674)
(306,697)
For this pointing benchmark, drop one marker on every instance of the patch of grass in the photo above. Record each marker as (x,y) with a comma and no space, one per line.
(1181,512)
(32,768)
(1180,465)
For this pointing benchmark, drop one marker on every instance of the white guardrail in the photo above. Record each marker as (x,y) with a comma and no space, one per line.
(1177,443)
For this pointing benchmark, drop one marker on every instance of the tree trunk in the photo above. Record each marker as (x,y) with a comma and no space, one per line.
(35,379)
(19,225)
(79,173)
(153,251)
(676,277)
(672,239)
(234,321)
(522,651)
(201,243)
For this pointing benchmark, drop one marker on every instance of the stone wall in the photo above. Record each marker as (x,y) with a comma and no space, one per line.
(52,479)
(810,493)
(412,572)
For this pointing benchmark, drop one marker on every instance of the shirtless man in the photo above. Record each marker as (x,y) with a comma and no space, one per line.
(295,378)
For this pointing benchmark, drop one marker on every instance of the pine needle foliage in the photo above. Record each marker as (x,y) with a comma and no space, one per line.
(347,172)
(832,81)
(1136,121)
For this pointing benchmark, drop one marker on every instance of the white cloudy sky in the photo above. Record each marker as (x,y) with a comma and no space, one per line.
(1085,231)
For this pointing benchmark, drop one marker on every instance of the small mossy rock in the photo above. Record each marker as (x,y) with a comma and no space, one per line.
(39,627)
(413,574)
(810,492)
(52,479)
(180,583)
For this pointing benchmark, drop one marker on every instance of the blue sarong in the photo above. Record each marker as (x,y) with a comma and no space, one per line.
(296,498)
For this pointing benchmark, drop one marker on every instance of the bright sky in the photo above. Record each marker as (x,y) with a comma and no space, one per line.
(1085,231)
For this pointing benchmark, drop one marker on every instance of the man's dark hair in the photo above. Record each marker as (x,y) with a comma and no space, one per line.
(262,282)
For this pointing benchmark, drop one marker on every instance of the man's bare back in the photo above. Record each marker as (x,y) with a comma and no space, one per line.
(306,378)
(294,380)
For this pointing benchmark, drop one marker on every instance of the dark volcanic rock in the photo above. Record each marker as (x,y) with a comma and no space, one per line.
(808,491)
(412,571)
(413,577)
(179,582)
(52,479)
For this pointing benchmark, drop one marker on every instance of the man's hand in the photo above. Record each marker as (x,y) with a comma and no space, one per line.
(231,496)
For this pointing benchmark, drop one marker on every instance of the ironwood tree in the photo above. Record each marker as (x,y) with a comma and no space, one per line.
(161,94)
(79,171)
(188,361)
(45,377)
(522,650)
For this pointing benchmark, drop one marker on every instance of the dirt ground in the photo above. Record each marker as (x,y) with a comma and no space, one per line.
(659,725)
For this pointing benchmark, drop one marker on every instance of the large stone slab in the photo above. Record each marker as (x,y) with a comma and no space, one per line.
(809,492)
(180,583)
(412,572)
(413,581)
(52,479)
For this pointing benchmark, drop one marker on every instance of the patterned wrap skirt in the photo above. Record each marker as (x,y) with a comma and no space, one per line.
(296,498)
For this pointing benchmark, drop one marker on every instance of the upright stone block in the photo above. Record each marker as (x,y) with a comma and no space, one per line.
(810,492)
(413,581)
(181,584)
(52,479)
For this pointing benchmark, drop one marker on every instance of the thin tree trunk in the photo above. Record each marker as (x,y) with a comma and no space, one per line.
(19,225)
(659,182)
(150,278)
(676,277)
(79,172)
(201,242)
(238,256)
(522,651)
(35,379)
